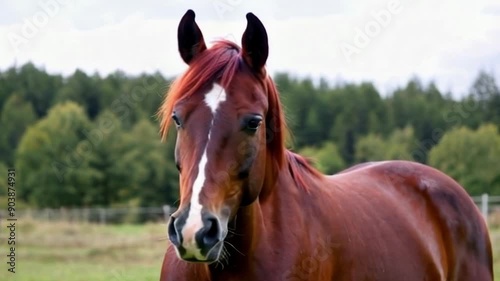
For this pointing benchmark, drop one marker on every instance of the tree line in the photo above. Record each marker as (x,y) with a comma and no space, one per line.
(89,140)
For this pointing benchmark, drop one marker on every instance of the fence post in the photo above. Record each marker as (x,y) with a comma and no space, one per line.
(166,212)
(102,215)
(484,206)
(86,215)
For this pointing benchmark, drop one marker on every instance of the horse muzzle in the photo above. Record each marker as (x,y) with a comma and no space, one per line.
(197,239)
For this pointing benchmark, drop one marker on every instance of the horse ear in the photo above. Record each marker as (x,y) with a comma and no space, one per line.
(189,37)
(254,42)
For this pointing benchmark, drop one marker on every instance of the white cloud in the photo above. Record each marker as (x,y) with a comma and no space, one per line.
(447,41)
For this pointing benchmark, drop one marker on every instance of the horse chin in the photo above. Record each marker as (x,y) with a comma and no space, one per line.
(212,255)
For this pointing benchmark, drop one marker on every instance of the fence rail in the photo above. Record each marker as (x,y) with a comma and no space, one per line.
(484,203)
(487,204)
(96,215)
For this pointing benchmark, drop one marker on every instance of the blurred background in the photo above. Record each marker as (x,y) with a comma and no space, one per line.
(81,82)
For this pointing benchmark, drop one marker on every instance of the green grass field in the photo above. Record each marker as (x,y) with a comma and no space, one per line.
(86,252)
(495,239)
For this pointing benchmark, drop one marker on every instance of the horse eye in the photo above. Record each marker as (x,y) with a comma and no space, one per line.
(176,120)
(254,123)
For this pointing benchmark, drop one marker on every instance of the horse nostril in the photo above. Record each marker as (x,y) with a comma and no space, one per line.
(212,232)
(209,235)
(173,234)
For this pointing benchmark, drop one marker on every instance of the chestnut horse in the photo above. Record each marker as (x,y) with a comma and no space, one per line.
(252,210)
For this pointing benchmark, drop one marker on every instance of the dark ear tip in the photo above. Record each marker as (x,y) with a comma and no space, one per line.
(253,19)
(189,14)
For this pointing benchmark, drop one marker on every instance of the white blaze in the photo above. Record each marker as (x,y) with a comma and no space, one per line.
(213,99)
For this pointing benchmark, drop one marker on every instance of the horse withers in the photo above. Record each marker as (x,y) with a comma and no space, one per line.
(252,210)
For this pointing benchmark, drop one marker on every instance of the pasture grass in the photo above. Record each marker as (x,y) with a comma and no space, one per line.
(53,251)
(495,240)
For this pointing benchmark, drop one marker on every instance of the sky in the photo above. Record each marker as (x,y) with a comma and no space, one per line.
(386,42)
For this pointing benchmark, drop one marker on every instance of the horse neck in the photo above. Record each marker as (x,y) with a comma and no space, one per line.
(267,214)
